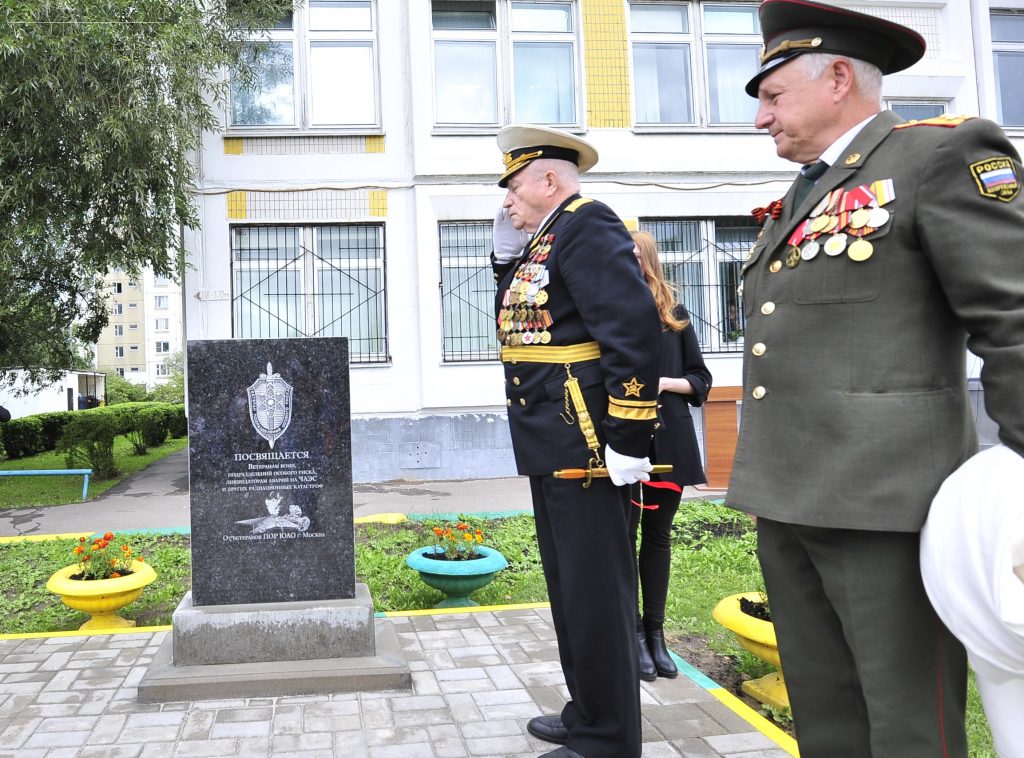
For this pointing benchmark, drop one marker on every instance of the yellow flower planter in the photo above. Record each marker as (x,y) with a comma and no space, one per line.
(101,598)
(758,637)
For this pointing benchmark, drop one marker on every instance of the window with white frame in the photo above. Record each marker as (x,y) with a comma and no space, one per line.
(312,281)
(163,347)
(916,109)
(162,324)
(316,69)
(161,301)
(120,371)
(505,60)
(117,288)
(132,326)
(132,305)
(467,291)
(691,62)
(119,351)
(161,281)
(133,348)
(117,309)
(161,369)
(118,330)
(1008,54)
(702,258)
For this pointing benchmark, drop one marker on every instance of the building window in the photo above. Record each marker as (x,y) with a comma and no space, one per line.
(702,258)
(119,351)
(133,305)
(120,371)
(117,288)
(118,330)
(917,110)
(1008,51)
(133,348)
(132,326)
(160,281)
(691,62)
(467,292)
(312,281)
(117,309)
(497,60)
(163,324)
(161,369)
(317,69)
(134,369)
(163,347)
(160,301)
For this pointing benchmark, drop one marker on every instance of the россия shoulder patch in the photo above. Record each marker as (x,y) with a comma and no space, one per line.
(997,178)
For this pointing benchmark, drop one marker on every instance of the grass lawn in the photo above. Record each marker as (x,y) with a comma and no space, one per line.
(713,556)
(24,491)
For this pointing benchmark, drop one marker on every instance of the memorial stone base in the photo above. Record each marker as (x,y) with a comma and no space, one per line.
(275,649)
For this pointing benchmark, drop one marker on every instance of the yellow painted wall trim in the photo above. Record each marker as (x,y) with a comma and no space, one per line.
(233,145)
(379,203)
(237,207)
(606,62)
(375,143)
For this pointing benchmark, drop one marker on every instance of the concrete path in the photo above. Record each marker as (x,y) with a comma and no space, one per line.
(478,677)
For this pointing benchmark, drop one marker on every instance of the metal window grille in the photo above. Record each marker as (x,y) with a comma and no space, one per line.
(467,292)
(702,259)
(312,281)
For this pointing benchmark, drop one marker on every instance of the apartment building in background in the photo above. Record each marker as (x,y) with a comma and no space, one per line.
(352,192)
(145,327)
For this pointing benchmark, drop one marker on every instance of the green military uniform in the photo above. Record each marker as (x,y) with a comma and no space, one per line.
(859,303)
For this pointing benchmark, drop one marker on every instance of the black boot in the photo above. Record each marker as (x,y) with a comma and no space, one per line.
(659,655)
(648,672)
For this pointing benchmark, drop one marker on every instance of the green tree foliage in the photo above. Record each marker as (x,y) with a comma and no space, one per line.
(120,390)
(173,390)
(102,103)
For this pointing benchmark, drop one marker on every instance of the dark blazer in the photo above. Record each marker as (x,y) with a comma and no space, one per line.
(594,292)
(675,440)
(855,406)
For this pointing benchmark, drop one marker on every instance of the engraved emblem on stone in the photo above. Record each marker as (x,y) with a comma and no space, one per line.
(293,521)
(270,405)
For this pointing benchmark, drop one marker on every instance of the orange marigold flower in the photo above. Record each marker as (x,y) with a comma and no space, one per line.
(479,537)
(86,558)
(140,559)
(79,550)
(108,536)
(115,575)
(81,539)
(438,531)
(113,561)
(96,546)
(462,527)
(467,537)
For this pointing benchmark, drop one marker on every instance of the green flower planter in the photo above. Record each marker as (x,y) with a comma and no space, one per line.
(456,579)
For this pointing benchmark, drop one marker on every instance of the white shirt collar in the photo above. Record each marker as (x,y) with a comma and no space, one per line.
(833,152)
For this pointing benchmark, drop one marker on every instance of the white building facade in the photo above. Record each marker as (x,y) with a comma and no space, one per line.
(352,193)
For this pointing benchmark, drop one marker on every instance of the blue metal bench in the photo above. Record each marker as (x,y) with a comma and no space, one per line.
(83,472)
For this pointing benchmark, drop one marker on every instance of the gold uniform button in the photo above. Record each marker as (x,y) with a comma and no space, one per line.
(508,402)
(759,349)
(759,392)
(768,308)
(515,380)
(776,267)
(522,401)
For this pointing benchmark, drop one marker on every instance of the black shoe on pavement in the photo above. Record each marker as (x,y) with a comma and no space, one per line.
(660,657)
(549,729)
(562,752)
(648,671)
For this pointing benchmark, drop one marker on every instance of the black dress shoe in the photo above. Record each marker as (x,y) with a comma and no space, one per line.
(549,729)
(660,657)
(648,672)
(562,752)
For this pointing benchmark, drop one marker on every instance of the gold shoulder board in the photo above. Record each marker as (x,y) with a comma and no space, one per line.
(945,120)
(579,202)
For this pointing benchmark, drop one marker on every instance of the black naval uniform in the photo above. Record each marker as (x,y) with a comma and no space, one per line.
(574,308)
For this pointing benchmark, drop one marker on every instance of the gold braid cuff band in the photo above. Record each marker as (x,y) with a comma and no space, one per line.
(633,410)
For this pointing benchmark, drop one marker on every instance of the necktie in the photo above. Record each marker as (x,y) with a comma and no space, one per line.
(806,179)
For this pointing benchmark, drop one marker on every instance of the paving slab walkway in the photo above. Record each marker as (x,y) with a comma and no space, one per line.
(477,680)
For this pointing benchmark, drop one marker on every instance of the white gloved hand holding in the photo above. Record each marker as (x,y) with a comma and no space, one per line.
(625,470)
(508,241)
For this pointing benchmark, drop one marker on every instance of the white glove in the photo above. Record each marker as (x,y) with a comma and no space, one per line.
(508,241)
(625,470)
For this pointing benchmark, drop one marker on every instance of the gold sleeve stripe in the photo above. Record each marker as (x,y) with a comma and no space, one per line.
(632,403)
(632,414)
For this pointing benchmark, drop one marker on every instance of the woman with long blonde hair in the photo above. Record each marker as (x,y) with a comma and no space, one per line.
(684,382)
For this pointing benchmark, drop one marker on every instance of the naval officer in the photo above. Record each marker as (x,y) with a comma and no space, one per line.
(897,247)
(579,334)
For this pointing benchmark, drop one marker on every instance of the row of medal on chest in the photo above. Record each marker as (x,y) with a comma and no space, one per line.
(842,214)
(524,325)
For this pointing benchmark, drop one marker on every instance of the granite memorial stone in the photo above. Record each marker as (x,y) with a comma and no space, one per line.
(270,471)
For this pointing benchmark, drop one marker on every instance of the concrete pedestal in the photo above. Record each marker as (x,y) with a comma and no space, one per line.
(274,649)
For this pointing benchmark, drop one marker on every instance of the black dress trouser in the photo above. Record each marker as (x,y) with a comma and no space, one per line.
(589,568)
